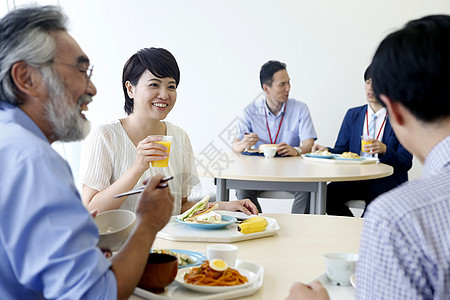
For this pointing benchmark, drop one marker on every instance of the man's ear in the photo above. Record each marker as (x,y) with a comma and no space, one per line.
(265,88)
(395,109)
(26,78)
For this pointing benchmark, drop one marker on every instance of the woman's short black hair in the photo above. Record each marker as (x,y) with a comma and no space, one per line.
(160,62)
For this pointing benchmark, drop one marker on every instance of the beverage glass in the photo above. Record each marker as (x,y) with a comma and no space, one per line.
(166,141)
(225,252)
(364,141)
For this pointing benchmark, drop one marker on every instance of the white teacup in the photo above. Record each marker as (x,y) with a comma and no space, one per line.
(226,252)
(269,152)
(340,266)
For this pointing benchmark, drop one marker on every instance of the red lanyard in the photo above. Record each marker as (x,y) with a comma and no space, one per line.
(279,127)
(367,119)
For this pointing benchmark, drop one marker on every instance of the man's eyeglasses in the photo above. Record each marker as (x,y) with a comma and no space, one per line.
(87,72)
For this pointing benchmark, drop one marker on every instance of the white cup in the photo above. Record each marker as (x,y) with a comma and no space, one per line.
(226,252)
(340,266)
(269,152)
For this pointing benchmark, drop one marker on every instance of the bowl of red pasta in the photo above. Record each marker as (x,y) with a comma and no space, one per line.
(205,279)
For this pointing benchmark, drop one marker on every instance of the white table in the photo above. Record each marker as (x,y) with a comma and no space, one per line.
(289,174)
(295,254)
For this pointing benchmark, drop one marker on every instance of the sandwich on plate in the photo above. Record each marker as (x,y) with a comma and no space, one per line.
(200,213)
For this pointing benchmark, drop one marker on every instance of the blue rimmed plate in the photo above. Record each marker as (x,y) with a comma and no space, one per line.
(196,257)
(251,276)
(319,156)
(343,158)
(227,220)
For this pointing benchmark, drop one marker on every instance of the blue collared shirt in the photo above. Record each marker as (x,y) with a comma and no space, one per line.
(47,238)
(297,124)
(405,244)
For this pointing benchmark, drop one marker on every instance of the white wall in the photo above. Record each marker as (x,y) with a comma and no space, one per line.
(221,45)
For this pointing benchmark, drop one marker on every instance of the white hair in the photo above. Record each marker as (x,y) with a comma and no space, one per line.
(25,35)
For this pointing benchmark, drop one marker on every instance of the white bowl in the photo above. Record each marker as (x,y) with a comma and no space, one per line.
(269,152)
(114,227)
(340,266)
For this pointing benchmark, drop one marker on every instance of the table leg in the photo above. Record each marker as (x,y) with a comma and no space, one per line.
(321,198)
(313,203)
(223,194)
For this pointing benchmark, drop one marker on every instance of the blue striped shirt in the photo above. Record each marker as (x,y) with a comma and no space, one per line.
(405,244)
(297,124)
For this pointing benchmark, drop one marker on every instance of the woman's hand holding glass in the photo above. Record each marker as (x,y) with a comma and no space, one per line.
(149,150)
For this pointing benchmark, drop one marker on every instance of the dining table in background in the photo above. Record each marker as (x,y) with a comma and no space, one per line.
(294,254)
(253,172)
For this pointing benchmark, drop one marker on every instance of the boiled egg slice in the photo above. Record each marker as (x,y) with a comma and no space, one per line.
(218,265)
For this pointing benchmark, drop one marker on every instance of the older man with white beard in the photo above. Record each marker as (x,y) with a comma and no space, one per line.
(47,238)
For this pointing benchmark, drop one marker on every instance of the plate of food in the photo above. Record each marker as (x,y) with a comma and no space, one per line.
(320,154)
(215,279)
(177,291)
(185,258)
(225,221)
(203,216)
(348,156)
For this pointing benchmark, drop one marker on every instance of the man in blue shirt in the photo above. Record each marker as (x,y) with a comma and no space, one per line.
(404,252)
(276,119)
(47,238)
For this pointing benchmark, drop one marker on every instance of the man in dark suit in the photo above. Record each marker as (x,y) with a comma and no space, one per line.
(368,122)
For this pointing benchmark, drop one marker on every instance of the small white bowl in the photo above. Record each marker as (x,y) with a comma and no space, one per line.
(114,227)
(269,152)
(340,266)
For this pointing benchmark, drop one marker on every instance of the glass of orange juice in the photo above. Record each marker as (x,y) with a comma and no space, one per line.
(166,140)
(365,141)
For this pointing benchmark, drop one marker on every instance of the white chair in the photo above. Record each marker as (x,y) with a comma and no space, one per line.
(356,207)
(205,187)
(276,201)
(361,204)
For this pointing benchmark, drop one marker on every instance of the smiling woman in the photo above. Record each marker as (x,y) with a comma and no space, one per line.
(116,156)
